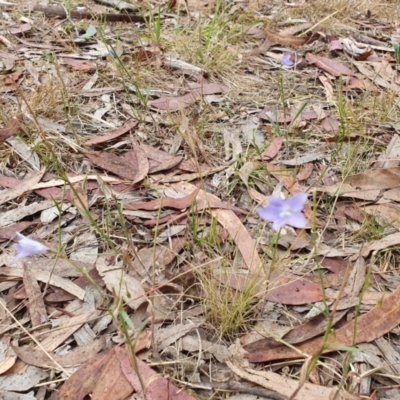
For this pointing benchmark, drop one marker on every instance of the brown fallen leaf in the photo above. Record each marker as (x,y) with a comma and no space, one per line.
(10,79)
(278,289)
(330,96)
(159,160)
(61,295)
(287,386)
(375,77)
(9,232)
(231,223)
(313,328)
(384,243)
(369,326)
(36,306)
(146,382)
(101,376)
(385,214)
(273,149)
(305,171)
(287,40)
(180,102)
(126,127)
(328,65)
(165,202)
(7,363)
(21,188)
(76,357)
(12,127)
(78,65)
(131,291)
(330,125)
(147,257)
(21,30)
(376,179)
(113,163)
(137,159)
(294,291)
(58,336)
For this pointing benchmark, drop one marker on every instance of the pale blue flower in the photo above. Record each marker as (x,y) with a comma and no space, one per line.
(285,212)
(287,60)
(27,247)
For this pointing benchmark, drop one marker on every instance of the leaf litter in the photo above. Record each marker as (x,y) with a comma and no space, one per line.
(139,157)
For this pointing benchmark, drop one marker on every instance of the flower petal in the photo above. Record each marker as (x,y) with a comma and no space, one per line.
(286,60)
(279,223)
(27,247)
(298,220)
(267,213)
(297,202)
(276,202)
(272,210)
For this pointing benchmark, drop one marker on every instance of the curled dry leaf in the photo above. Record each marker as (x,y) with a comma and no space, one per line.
(285,40)
(113,163)
(180,102)
(99,376)
(328,65)
(165,202)
(74,358)
(126,127)
(273,149)
(12,127)
(157,387)
(369,326)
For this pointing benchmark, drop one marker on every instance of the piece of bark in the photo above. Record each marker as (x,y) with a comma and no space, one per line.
(58,11)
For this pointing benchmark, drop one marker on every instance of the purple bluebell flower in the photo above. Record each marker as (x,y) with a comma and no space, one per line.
(285,212)
(27,247)
(287,60)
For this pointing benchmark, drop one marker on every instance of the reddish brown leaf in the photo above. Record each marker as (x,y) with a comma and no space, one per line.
(282,289)
(61,295)
(36,307)
(382,178)
(22,29)
(305,172)
(330,125)
(208,88)
(22,187)
(175,103)
(171,219)
(155,385)
(126,127)
(180,102)
(334,264)
(10,231)
(294,291)
(161,160)
(369,326)
(273,149)
(165,202)
(11,128)
(78,356)
(138,161)
(101,376)
(277,116)
(78,65)
(276,37)
(113,163)
(10,79)
(328,65)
